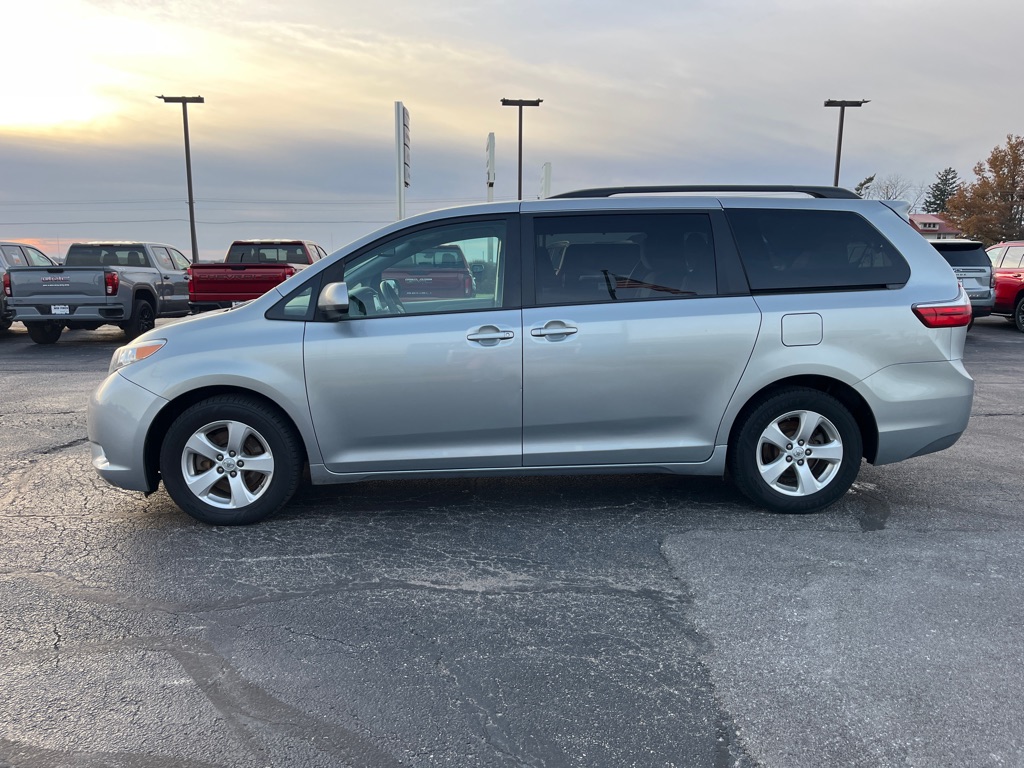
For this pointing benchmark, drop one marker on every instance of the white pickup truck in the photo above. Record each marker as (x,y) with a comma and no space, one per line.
(127,284)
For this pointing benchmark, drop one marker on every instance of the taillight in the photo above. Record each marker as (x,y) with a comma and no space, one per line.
(112,281)
(469,285)
(992,280)
(289,271)
(7,284)
(945,315)
(188,274)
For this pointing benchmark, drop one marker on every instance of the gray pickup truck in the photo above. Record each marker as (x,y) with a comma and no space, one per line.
(127,284)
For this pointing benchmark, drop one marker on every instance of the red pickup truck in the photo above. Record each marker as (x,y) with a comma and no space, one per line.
(433,273)
(250,269)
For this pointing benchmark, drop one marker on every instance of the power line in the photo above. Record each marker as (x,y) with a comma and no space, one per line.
(207,223)
(174,201)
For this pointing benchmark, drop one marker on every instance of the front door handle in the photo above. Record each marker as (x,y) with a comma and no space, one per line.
(489,335)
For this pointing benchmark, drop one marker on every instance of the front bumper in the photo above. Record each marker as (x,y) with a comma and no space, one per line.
(119,416)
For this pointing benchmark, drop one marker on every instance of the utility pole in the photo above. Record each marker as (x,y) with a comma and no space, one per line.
(842,104)
(185,101)
(521,103)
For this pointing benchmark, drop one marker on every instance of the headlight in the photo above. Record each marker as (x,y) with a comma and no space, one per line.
(132,353)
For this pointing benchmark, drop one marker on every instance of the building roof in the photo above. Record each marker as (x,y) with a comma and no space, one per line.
(936,223)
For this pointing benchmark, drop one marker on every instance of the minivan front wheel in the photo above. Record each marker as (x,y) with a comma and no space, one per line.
(231,460)
(798,450)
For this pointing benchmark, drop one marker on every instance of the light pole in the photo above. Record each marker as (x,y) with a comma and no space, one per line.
(521,103)
(185,101)
(842,114)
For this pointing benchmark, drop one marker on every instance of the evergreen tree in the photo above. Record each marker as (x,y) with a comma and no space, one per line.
(946,183)
(864,187)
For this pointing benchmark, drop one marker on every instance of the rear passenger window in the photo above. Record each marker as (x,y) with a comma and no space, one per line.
(163,258)
(622,257)
(813,250)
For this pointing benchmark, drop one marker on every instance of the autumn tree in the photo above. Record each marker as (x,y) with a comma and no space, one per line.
(991,209)
(939,192)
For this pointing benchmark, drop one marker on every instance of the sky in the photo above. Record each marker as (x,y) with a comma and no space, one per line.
(296,138)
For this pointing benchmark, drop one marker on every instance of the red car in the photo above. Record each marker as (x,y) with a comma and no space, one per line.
(1009,273)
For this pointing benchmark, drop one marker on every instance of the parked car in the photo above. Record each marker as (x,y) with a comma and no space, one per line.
(1008,269)
(973,269)
(250,269)
(17,255)
(779,340)
(128,284)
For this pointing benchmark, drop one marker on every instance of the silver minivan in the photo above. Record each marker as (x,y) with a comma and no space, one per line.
(777,339)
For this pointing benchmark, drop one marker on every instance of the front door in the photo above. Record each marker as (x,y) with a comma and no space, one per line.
(173,286)
(425,385)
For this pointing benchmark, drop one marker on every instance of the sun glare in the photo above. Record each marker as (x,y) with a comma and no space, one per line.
(86,69)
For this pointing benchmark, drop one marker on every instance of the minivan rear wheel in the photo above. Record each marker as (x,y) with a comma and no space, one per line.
(1018,314)
(797,451)
(231,460)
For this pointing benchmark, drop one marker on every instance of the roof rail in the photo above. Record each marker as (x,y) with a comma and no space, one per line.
(832,192)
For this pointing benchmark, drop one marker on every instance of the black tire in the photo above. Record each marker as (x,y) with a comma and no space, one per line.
(754,457)
(1018,314)
(46,332)
(5,323)
(143,319)
(262,437)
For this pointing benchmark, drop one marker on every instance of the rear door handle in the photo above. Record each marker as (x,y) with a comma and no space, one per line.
(554,328)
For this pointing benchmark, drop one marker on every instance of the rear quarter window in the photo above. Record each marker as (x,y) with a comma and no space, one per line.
(813,250)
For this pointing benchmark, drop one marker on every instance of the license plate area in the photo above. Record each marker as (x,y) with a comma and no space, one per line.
(60,309)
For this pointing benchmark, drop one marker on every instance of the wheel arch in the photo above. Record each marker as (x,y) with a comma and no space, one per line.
(147,293)
(844,393)
(158,428)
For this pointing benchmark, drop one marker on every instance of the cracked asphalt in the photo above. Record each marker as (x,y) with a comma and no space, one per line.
(599,621)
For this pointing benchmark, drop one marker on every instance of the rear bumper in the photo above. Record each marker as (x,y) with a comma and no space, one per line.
(207,306)
(89,313)
(919,407)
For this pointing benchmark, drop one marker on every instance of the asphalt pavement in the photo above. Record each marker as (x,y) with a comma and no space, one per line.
(590,621)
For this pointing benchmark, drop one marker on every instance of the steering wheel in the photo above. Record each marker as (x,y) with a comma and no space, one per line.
(390,294)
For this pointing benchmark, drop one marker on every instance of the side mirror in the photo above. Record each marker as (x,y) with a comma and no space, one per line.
(477,268)
(333,301)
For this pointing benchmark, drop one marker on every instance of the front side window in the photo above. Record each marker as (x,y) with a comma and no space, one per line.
(179,259)
(1013,257)
(813,250)
(451,268)
(623,257)
(37,258)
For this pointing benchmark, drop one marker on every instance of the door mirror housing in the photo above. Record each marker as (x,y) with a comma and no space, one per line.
(333,301)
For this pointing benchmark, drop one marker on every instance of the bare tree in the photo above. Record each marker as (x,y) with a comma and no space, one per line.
(895,187)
